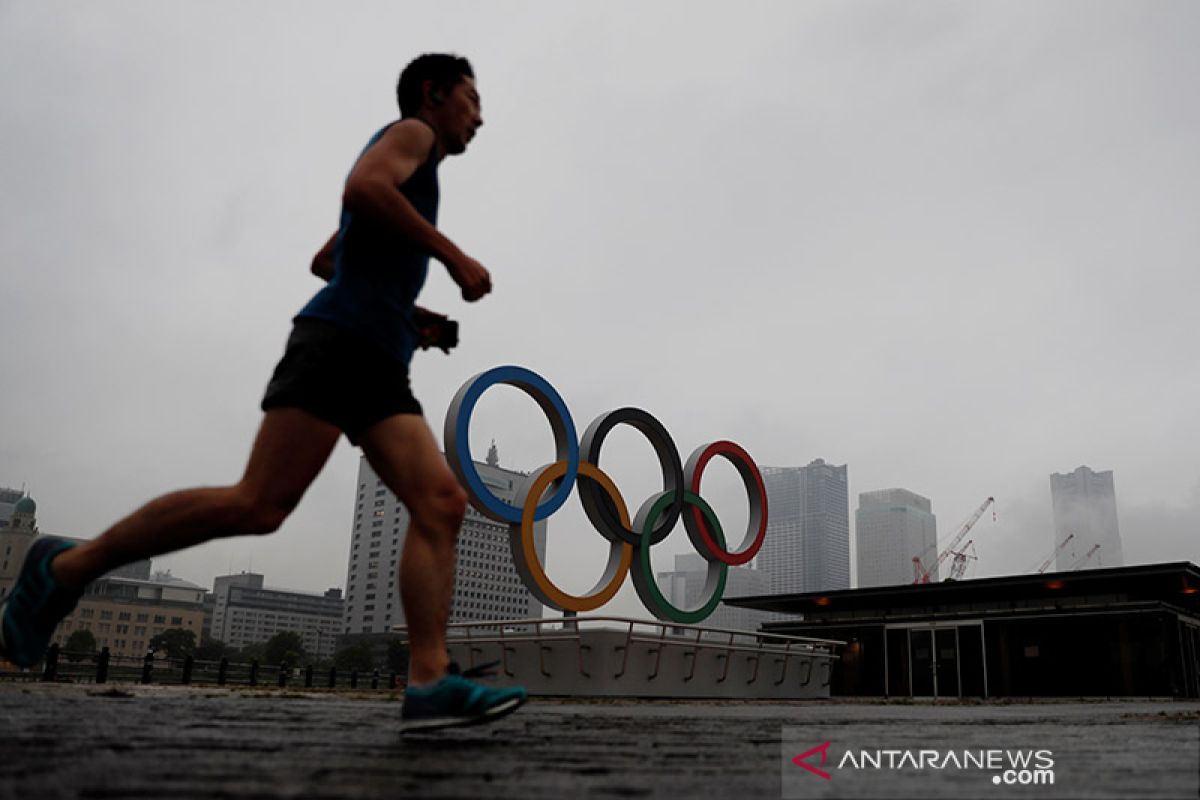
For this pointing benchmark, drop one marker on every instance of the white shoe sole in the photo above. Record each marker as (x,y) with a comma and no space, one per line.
(434,723)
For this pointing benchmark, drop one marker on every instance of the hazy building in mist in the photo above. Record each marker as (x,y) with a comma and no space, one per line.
(486,584)
(807,546)
(684,588)
(890,527)
(1085,504)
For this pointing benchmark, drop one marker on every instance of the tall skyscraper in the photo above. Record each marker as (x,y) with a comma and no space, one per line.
(890,527)
(486,584)
(807,547)
(1085,504)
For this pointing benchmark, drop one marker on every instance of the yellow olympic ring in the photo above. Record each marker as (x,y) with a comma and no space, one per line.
(620,554)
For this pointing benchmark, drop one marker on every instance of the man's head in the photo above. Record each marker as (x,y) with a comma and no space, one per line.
(440,89)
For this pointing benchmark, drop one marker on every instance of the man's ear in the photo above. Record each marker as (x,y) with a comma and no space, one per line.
(434,95)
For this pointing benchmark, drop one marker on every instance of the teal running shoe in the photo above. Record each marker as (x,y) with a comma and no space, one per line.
(457,700)
(36,605)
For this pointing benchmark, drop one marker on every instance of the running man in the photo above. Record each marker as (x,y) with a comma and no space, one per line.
(363,325)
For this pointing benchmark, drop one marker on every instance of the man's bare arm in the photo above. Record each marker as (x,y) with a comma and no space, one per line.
(373,190)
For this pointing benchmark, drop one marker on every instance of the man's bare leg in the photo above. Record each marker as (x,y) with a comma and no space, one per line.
(291,448)
(402,451)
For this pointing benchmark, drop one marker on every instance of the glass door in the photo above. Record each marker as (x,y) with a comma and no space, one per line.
(920,650)
(945,671)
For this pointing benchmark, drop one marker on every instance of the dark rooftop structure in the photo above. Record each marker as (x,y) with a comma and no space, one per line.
(1123,631)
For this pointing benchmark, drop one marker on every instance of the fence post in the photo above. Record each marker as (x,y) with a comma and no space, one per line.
(50,670)
(254,672)
(353,679)
(308,677)
(102,666)
(147,666)
(222,671)
(188,663)
(333,677)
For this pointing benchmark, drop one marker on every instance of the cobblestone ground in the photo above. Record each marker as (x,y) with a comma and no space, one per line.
(174,742)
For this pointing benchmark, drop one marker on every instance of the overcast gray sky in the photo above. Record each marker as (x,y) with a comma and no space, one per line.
(952,245)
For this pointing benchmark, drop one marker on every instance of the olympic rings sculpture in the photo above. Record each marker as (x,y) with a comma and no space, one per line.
(577,464)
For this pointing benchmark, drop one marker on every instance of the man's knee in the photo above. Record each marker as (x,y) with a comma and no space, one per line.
(441,508)
(257,515)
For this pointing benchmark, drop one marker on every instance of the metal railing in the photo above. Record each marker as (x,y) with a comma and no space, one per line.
(727,641)
(104,667)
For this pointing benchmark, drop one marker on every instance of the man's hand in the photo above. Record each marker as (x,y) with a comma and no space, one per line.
(435,330)
(471,277)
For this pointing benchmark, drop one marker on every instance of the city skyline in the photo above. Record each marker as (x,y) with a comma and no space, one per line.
(871,501)
(1075,557)
(950,246)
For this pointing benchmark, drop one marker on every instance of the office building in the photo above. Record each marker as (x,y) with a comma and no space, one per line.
(124,614)
(1085,505)
(486,584)
(807,546)
(244,612)
(891,526)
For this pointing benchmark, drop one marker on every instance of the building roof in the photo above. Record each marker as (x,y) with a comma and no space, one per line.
(1177,583)
(157,579)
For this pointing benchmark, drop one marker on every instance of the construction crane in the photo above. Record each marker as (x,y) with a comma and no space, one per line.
(920,573)
(1050,559)
(1086,558)
(958,566)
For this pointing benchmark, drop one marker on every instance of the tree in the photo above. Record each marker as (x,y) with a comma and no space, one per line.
(178,642)
(79,644)
(252,652)
(285,647)
(355,657)
(211,649)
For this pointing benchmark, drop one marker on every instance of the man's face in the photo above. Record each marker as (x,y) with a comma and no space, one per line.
(459,116)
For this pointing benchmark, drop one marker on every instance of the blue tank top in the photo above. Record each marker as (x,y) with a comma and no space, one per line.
(377,274)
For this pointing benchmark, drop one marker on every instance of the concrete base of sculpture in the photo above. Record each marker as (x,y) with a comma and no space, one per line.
(620,657)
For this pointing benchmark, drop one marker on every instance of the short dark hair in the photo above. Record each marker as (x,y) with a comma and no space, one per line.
(443,69)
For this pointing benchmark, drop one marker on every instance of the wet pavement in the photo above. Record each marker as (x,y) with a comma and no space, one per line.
(132,741)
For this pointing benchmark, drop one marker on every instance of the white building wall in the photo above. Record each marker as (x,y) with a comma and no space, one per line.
(486,584)
(245,612)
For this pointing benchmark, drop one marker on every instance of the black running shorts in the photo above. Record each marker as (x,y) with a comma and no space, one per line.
(340,377)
